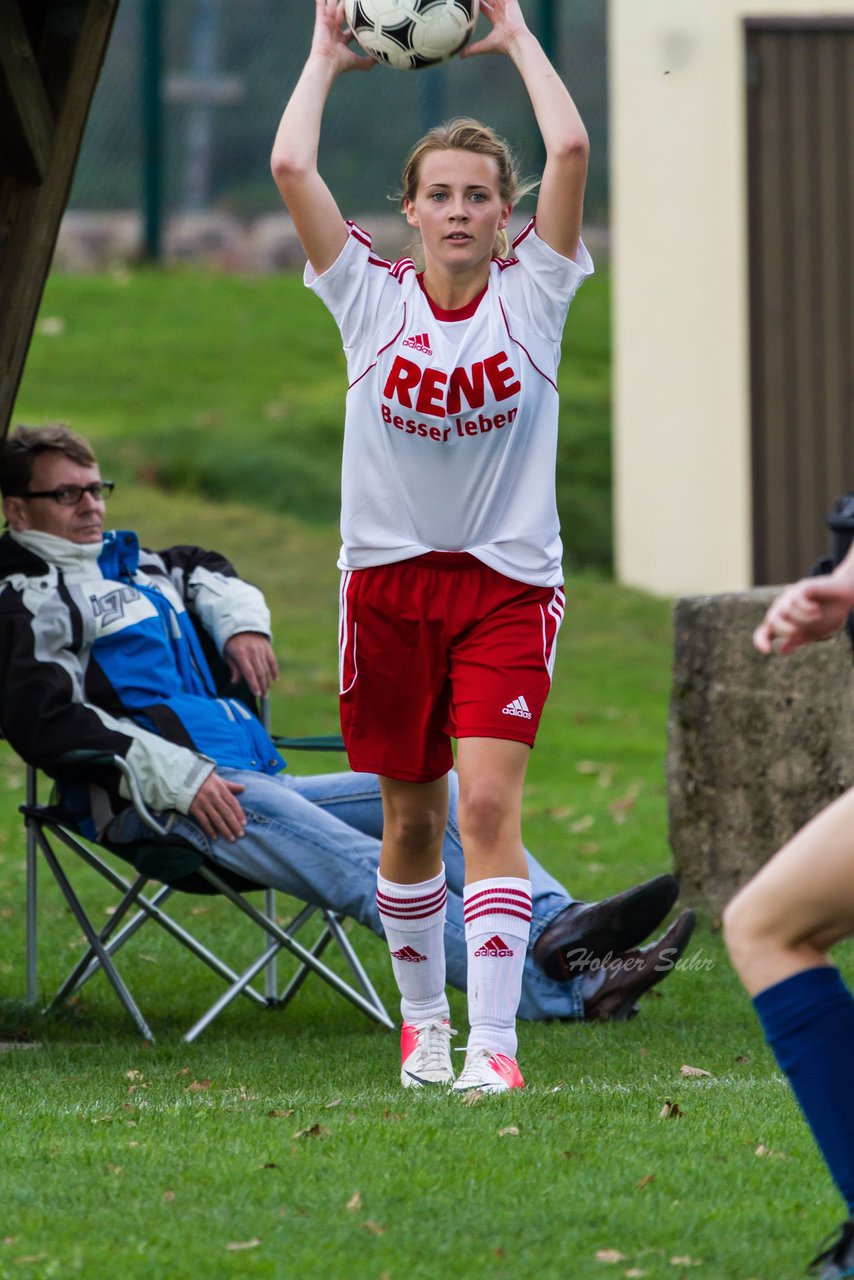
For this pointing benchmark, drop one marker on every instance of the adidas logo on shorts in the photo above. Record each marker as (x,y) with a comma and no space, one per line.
(496,947)
(518,707)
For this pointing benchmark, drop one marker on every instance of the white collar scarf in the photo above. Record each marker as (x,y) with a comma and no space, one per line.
(77,561)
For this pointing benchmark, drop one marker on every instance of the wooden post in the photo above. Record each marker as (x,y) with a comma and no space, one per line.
(50,58)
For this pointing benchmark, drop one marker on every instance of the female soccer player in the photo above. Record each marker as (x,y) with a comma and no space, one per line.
(780,927)
(451,593)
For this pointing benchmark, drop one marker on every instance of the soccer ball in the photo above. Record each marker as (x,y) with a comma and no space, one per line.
(407,34)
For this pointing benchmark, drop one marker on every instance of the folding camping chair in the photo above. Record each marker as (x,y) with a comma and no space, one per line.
(177,867)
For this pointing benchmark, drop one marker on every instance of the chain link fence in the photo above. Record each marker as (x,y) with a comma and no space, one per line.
(227,69)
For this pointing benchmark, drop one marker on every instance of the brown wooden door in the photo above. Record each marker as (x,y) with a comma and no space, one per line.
(801,226)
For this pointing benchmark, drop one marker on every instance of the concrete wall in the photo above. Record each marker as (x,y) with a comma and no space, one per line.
(679,256)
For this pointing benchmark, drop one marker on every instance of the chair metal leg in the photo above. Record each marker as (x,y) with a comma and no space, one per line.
(233,991)
(334,924)
(271,977)
(32,922)
(119,987)
(149,908)
(303,972)
(296,948)
(89,963)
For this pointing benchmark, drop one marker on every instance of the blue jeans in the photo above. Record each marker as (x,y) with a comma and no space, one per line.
(318,839)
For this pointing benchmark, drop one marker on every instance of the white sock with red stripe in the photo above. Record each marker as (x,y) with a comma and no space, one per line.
(498,922)
(413,917)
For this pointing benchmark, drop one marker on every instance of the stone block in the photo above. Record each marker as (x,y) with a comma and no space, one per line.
(756,745)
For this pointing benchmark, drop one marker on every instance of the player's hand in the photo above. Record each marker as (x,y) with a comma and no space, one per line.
(250,657)
(217,810)
(332,38)
(507,22)
(812,609)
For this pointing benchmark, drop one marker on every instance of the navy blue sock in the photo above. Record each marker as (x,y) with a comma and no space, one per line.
(808,1021)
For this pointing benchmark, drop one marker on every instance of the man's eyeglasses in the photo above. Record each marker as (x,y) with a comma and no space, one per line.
(68,495)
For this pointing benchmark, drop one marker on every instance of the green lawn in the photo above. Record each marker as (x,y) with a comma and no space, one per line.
(281,1145)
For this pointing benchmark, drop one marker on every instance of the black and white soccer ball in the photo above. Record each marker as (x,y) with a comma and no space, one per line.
(407,34)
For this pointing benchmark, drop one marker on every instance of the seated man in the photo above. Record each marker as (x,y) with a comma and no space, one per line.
(98,650)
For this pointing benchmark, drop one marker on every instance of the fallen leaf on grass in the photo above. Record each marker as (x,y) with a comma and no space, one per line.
(235,1245)
(133,1075)
(280,1111)
(670,1110)
(685,1070)
(11,1239)
(610,1255)
(686,1261)
(511,1131)
(374,1227)
(115,1169)
(313,1131)
(355,1201)
(197,1086)
(31,1257)
(646,1180)
(634,1273)
(762,1150)
(563,811)
(472,1098)
(336,1102)
(168,1197)
(620,809)
(583,824)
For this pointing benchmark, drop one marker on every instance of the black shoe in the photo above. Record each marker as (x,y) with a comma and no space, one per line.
(630,974)
(587,931)
(837,1260)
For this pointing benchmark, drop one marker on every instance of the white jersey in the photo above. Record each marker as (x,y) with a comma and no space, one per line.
(450,437)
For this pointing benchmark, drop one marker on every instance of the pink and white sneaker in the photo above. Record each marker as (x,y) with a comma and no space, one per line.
(488,1072)
(425,1052)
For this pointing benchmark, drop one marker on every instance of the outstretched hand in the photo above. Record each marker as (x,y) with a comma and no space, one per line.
(332,38)
(812,609)
(507,21)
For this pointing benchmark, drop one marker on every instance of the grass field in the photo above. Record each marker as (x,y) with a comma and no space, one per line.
(282,1146)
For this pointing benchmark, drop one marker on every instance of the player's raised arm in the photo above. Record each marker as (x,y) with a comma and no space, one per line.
(561,195)
(312,206)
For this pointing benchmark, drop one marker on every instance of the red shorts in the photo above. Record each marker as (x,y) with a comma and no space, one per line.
(440,647)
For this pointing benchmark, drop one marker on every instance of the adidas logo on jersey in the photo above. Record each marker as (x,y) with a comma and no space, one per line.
(419,342)
(518,707)
(496,947)
(409,954)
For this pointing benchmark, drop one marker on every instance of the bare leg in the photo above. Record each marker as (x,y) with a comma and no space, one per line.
(414,818)
(799,904)
(492,776)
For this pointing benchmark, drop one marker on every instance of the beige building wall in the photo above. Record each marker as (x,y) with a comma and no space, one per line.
(680,311)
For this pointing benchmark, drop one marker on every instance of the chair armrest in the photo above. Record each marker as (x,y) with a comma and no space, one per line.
(84,755)
(323,742)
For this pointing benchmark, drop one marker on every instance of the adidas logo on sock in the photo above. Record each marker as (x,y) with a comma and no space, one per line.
(419,342)
(409,954)
(496,947)
(518,707)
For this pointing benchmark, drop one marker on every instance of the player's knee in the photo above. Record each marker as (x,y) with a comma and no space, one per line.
(745,926)
(484,813)
(414,833)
